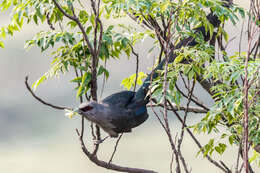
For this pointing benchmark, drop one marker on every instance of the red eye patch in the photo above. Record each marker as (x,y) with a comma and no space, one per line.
(86,108)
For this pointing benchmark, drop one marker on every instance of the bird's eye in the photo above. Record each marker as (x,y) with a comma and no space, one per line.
(86,108)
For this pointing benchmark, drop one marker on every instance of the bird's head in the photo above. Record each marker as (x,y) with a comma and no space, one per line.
(88,110)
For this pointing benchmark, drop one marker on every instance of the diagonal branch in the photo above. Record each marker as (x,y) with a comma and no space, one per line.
(42,101)
(75,19)
(197,141)
(180,108)
(115,148)
(197,102)
(107,165)
(137,65)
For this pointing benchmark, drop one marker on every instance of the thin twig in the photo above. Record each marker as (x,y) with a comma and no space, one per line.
(49,22)
(77,75)
(42,101)
(185,116)
(150,105)
(197,141)
(117,142)
(171,164)
(137,65)
(94,137)
(238,157)
(165,115)
(198,103)
(180,108)
(240,39)
(98,135)
(110,166)
(103,81)
(74,18)
(245,99)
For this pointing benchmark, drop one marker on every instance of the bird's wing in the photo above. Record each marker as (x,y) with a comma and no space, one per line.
(125,119)
(120,99)
(121,120)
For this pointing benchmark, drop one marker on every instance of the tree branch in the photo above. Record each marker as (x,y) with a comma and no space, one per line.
(42,101)
(197,142)
(75,18)
(180,108)
(111,166)
(115,148)
(137,65)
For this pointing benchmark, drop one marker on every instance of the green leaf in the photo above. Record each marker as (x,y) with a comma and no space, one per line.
(69,3)
(39,81)
(225,34)
(77,79)
(104,71)
(35,19)
(86,78)
(2,44)
(231,139)
(178,59)
(88,29)
(72,24)
(130,81)
(220,148)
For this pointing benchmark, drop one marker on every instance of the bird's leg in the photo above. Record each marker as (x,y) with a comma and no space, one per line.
(96,142)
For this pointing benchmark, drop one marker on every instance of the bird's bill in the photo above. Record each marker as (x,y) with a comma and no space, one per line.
(76,110)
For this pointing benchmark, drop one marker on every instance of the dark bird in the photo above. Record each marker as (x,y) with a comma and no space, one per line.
(116,113)
(122,111)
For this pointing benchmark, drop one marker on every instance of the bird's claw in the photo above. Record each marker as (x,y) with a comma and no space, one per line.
(99,141)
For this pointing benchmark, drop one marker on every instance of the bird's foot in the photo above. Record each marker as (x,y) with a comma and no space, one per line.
(97,142)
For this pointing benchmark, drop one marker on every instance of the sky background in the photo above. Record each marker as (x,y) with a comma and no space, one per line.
(37,139)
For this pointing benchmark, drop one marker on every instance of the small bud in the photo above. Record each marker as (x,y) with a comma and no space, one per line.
(70,113)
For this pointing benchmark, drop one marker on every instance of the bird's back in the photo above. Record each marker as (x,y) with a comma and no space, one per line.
(120,99)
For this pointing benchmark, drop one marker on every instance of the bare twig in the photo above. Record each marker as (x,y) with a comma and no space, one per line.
(98,135)
(171,164)
(94,137)
(181,108)
(197,141)
(240,38)
(245,100)
(185,116)
(111,166)
(238,157)
(165,115)
(152,107)
(114,152)
(198,103)
(42,101)
(225,166)
(49,21)
(137,65)
(103,81)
